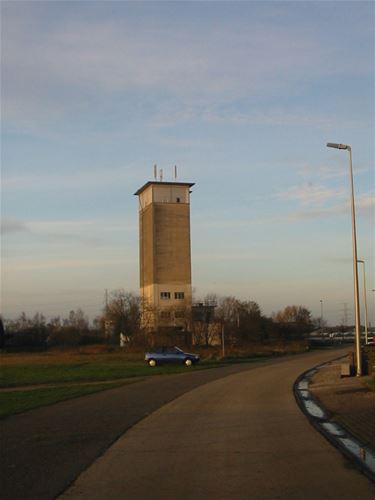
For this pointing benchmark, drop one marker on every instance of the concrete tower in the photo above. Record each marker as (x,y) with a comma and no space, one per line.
(165,261)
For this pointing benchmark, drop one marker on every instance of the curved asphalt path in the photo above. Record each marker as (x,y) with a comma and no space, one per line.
(224,421)
(42,451)
(238,437)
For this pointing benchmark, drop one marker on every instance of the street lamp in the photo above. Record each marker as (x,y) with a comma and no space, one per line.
(223,339)
(321,314)
(365,298)
(355,264)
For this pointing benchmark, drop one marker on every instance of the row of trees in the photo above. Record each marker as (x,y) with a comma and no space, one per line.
(242,321)
(36,331)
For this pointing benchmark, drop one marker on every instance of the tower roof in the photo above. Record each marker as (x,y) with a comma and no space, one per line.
(160,183)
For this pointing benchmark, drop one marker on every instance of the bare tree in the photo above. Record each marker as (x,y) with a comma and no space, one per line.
(77,320)
(243,320)
(123,313)
(293,322)
(204,323)
(294,314)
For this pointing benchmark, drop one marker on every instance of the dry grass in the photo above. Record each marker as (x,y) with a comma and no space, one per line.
(26,378)
(97,353)
(69,355)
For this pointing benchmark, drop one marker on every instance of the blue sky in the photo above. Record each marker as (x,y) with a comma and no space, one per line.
(241,96)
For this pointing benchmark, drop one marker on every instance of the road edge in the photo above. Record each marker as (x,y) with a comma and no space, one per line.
(360,456)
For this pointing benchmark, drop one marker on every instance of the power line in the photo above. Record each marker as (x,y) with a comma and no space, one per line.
(345,315)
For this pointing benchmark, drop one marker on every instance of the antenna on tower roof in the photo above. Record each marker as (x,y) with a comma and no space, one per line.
(155,172)
(161,175)
(175,172)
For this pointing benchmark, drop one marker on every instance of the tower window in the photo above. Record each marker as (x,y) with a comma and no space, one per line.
(179,295)
(178,200)
(165,314)
(165,295)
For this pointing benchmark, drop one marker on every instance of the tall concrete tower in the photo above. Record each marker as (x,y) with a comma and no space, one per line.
(165,260)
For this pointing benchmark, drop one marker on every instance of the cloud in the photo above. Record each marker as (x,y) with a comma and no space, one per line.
(334,259)
(226,112)
(56,68)
(85,232)
(75,227)
(310,194)
(83,179)
(13,225)
(320,201)
(68,263)
(71,233)
(115,55)
(365,207)
(225,257)
(331,171)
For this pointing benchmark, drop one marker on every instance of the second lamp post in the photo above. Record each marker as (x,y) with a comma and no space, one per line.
(355,262)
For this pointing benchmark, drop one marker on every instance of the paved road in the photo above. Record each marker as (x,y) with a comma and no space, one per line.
(44,450)
(238,437)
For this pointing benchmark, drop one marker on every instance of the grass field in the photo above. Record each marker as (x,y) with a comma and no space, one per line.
(31,380)
(13,402)
(77,371)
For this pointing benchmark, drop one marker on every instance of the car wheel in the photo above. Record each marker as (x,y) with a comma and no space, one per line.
(188,362)
(151,362)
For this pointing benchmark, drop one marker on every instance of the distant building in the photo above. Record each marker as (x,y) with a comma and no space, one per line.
(165,257)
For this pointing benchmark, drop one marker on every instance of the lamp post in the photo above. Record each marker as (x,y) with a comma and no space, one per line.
(222,340)
(365,298)
(321,314)
(355,264)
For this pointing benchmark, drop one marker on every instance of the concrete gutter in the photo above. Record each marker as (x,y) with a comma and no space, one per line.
(361,456)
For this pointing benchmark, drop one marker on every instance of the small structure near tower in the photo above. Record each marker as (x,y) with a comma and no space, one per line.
(165,256)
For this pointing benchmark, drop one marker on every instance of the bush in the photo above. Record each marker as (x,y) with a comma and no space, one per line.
(91,338)
(27,338)
(66,336)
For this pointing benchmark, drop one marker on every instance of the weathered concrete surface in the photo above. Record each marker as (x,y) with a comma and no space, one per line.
(239,437)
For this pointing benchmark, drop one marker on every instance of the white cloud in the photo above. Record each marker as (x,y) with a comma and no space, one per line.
(13,225)
(113,56)
(16,266)
(93,233)
(318,201)
(80,179)
(365,207)
(225,112)
(67,233)
(225,257)
(334,170)
(309,194)
(79,226)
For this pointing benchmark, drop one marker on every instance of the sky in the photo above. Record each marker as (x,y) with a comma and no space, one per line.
(241,96)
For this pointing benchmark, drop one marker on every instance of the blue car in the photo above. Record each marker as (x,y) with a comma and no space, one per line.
(164,355)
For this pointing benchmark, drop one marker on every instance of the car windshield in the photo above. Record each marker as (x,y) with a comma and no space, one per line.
(177,349)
